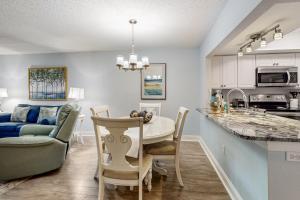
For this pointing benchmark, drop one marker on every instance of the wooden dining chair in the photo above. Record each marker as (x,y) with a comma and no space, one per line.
(155,108)
(169,149)
(100,111)
(120,169)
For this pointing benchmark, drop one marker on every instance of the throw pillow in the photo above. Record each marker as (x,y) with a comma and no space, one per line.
(46,113)
(33,114)
(62,115)
(19,114)
(48,121)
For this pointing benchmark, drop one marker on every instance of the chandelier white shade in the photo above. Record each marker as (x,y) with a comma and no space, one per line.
(132,63)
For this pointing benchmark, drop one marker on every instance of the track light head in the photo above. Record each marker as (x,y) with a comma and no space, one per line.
(249,48)
(263,42)
(240,53)
(278,34)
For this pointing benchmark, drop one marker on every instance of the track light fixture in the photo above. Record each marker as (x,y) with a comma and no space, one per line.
(260,36)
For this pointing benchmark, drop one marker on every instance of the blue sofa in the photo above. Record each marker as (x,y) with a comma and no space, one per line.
(12,129)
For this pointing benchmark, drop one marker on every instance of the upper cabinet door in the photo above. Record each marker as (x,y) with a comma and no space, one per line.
(216,72)
(287,59)
(229,71)
(246,71)
(265,60)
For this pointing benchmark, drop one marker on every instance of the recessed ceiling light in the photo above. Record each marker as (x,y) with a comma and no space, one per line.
(278,34)
(263,42)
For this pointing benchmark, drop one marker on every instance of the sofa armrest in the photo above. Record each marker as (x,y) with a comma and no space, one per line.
(26,141)
(5,117)
(35,129)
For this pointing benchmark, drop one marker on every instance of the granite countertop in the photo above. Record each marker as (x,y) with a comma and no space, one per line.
(260,126)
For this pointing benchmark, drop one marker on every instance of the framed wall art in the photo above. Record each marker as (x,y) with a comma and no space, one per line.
(153,82)
(47,83)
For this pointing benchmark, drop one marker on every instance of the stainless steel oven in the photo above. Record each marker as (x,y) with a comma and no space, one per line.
(277,76)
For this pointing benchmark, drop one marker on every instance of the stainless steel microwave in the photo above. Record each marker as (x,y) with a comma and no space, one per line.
(277,76)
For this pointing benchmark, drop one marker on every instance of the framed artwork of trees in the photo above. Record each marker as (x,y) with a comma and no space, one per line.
(47,83)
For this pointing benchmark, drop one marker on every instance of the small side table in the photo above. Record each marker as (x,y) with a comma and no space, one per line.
(78,132)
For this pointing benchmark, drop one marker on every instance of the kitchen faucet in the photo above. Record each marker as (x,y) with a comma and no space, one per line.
(242,92)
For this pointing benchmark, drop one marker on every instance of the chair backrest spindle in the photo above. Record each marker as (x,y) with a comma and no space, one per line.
(155,108)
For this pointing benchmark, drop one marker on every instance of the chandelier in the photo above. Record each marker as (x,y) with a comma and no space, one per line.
(132,63)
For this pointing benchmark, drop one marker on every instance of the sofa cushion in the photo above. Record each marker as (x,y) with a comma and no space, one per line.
(10,129)
(10,126)
(20,114)
(47,113)
(48,121)
(34,111)
(33,114)
(5,117)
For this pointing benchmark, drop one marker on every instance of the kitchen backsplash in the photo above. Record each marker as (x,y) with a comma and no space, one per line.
(267,90)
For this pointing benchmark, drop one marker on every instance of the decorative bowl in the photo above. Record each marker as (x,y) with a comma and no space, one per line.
(147,116)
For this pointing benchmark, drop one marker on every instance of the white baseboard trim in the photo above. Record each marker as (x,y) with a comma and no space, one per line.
(232,191)
(187,137)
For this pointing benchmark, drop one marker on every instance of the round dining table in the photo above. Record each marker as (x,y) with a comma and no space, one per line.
(157,130)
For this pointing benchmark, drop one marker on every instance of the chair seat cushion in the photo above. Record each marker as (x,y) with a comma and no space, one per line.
(167,147)
(147,163)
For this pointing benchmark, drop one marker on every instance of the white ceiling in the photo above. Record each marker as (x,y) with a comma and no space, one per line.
(41,26)
(285,14)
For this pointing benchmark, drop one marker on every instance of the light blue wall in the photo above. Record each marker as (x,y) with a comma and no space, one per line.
(244,162)
(105,84)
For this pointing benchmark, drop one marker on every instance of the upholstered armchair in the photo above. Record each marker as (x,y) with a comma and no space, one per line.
(39,148)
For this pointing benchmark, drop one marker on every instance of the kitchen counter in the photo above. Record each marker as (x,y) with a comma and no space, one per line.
(259,126)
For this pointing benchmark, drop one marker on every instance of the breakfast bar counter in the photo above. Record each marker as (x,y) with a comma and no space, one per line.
(258,126)
(256,154)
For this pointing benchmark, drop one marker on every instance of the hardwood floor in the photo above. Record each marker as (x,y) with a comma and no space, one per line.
(74,181)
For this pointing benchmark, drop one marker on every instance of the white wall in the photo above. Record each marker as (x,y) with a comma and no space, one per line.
(105,84)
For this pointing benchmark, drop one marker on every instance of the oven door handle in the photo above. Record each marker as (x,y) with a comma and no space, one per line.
(289,77)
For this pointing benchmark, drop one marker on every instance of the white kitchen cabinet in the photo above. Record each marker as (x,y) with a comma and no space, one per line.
(224,72)
(265,60)
(229,71)
(286,59)
(246,72)
(216,72)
